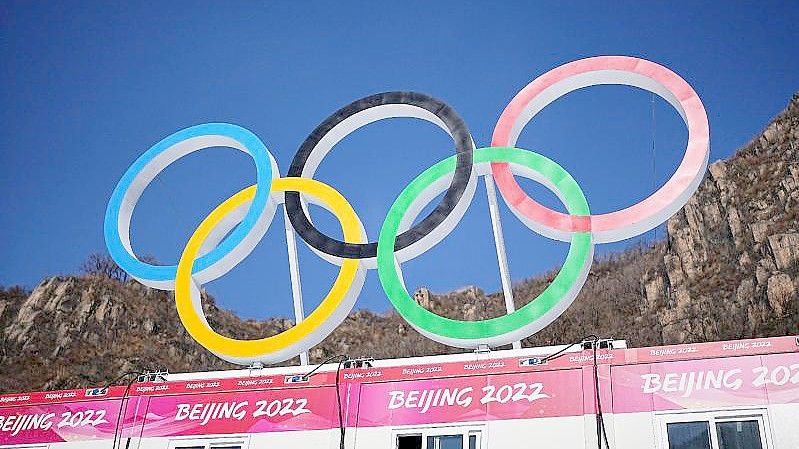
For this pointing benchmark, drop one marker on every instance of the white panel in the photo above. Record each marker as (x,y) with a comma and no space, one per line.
(311,439)
(784,421)
(540,433)
(633,430)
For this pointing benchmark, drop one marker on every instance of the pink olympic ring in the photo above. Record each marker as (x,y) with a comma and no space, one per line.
(640,217)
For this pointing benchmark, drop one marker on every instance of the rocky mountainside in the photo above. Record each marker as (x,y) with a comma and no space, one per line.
(728,268)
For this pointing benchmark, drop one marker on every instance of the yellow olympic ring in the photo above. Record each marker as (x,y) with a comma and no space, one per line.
(333,309)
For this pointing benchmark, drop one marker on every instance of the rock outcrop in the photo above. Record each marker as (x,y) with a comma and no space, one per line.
(731,263)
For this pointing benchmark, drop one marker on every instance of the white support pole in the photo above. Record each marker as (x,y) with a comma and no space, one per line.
(294,270)
(499,243)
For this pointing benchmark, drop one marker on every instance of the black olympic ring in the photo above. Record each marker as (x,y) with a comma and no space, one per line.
(464,148)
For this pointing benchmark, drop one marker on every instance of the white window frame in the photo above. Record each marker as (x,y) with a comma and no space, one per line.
(439,430)
(211,442)
(712,417)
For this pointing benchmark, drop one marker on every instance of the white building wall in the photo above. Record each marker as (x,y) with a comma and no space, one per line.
(543,433)
(633,431)
(784,421)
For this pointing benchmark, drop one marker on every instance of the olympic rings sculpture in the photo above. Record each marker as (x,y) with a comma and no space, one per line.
(232,230)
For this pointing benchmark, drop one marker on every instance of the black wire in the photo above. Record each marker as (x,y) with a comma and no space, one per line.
(342,429)
(122,403)
(601,432)
(120,377)
(560,353)
(310,373)
(342,358)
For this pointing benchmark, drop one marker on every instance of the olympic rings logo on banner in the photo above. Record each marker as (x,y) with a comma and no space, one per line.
(232,230)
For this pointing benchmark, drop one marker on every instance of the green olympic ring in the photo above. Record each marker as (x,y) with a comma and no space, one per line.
(528,319)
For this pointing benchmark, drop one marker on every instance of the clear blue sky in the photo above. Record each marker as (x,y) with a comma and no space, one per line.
(88,86)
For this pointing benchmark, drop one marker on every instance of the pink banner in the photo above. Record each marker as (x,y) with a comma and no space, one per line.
(249,412)
(752,380)
(693,351)
(58,422)
(780,375)
(475,398)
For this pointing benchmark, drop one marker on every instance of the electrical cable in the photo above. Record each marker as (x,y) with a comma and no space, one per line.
(122,402)
(601,432)
(342,358)
(562,351)
(341,426)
